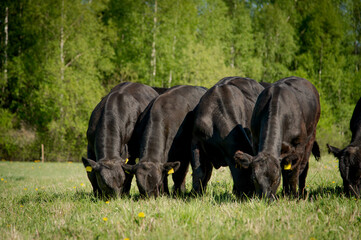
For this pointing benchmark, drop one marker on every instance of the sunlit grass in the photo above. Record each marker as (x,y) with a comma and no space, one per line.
(54,200)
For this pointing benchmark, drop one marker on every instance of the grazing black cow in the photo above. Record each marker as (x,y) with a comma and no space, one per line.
(110,127)
(221,127)
(283,128)
(350,157)
(165,143)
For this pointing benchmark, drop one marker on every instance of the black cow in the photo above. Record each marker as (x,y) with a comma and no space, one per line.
(283,128)
(350,157)
(165,143)
(110,128)
(221,127)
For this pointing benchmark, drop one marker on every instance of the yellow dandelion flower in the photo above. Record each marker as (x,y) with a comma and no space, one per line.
(107,202)
(82,184)
(36,189)
(105,219)
(25,189)
(5,181)
(333,181)
(126,239)
(141,215)
(2,179)
(74,187)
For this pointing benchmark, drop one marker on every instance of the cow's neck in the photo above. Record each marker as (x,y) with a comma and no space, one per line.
(271,135)
(154,145)
(109,142)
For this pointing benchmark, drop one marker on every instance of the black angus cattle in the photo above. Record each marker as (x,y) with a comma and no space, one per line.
(165,142)
(110,128)
(221,127)
(350,157)
(283,128)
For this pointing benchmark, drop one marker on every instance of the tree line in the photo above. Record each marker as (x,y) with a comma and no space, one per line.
(59,57)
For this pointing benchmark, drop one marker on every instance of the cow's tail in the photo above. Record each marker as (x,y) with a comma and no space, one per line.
(316,150)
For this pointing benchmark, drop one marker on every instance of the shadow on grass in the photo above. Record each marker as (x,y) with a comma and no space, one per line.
(215,197)
(325,192)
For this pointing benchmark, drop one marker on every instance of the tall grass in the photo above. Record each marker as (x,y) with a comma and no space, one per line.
(54,201)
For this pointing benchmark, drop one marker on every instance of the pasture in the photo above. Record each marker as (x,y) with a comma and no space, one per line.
(54,201)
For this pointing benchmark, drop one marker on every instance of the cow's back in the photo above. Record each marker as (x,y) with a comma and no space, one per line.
(113,119)
(222,115)
(163,118)
(281,110)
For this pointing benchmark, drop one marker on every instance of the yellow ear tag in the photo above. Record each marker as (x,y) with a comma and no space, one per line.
(287,167)
(88,168)
(126,161)
(171,171)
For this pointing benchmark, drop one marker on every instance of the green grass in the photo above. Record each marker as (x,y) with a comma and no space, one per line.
(54,201)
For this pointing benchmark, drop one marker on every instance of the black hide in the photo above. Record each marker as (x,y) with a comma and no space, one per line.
(164,131)
(350,157)
(110,128)
(283,127)
(222,126)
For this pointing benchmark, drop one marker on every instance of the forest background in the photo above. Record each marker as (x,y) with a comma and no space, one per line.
(59,57)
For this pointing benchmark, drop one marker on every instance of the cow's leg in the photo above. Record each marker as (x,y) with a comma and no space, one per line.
(302,181)
(286,182)
(165,186)
(128,178)
(184,156)
(179,177)
(202,170)
(293,181)
(304,165)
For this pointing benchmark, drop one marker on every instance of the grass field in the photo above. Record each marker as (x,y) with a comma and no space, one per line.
(54,201)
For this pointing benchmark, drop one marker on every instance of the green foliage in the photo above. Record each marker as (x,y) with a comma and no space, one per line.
(62,56)
(54,200)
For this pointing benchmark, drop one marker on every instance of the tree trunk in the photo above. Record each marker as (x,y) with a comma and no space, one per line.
(170,79)
(6,49)
(62,59)
(154,53)
(320,67)
(232,56)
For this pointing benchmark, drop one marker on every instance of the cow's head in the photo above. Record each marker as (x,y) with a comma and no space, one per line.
(266,172)
(108,174)
(350,167)
(150,176)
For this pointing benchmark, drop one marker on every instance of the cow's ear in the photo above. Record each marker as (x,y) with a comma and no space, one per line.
(242,159)
(90,165)
(130,169)
(171,167)
(333,150)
